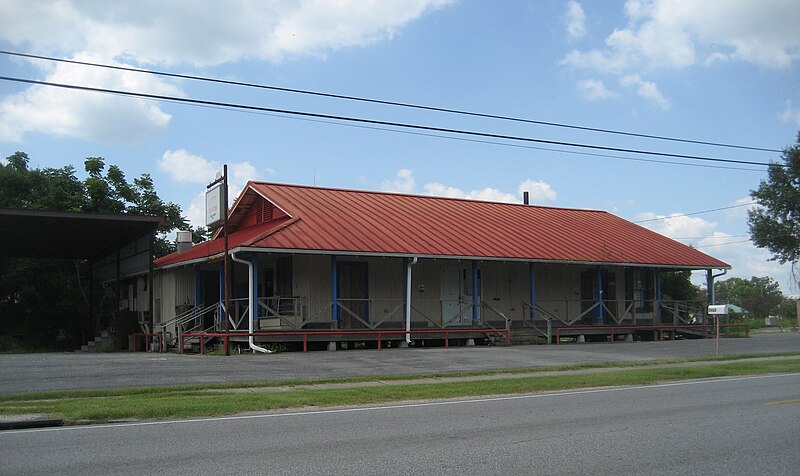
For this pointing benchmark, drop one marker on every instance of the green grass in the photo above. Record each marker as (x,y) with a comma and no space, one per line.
(374,378)
(209,400)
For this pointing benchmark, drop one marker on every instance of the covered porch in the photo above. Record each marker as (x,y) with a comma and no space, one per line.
(295,294)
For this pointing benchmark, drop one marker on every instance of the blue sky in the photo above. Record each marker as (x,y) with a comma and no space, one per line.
(718,70)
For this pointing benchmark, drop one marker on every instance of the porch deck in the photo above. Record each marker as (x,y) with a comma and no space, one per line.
(294,321)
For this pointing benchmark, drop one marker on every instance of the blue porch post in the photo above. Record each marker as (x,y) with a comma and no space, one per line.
(334,292)
(712,298)
(476,297)
(254,291)
(222,313)
(532,290)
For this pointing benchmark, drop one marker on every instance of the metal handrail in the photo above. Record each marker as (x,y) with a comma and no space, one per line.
(493,309)
(185,317)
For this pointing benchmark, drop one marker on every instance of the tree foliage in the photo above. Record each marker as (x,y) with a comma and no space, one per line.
(44,300)
(104,190)
(677,286)
(775,224)
(761,297)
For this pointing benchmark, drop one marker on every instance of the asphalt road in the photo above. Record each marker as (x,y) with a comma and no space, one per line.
(75,371)
(739,426)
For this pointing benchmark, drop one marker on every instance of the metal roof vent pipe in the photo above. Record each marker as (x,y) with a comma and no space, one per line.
(183,241)
(526,199)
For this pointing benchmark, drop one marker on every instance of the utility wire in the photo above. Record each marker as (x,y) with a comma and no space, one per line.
(678,215)
(707,236)
(723,244)
(385,102)
(481,141)
(376,122)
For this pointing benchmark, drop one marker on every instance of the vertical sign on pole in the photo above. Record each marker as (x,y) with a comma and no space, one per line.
(216,215)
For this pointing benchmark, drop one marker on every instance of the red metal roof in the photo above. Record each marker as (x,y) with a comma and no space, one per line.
(350,221)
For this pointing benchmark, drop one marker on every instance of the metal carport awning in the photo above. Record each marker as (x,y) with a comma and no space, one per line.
(69,235)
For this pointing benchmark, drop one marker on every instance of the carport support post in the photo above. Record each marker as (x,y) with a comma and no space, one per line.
(92,321)
(151,281)
(476,298)
(334,293)
(117,290)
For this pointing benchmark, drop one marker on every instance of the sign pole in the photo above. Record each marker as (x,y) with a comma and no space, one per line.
(717,311)
(227,260)
(216,215)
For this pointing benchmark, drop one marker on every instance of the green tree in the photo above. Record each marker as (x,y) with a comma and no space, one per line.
(110,192)
(788,310)
(761,297)
(677,286)
(775,223)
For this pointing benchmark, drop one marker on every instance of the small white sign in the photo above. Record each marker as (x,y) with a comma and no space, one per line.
(718,310)
(215,206)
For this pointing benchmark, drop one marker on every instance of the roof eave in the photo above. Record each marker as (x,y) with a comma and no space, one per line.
(251,249)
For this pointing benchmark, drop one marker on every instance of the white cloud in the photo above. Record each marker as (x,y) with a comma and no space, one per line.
(540,190)
(185,167)
(402,183)
(742,206)
(179,32)
(153,32)
(677,225)
(596,60)
(195,212)
(674,33)
(92,116)
(791,114)
(488,194)
(594,89)
(717,57)
(746,260)
(576,20)
(645,89)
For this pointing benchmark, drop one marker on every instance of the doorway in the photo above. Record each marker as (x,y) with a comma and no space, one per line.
(457,296)
(592,292)
(353,294)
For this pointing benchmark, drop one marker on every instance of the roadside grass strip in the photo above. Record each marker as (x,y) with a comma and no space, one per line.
(227,399)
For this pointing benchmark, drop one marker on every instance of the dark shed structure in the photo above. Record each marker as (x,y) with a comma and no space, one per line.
(117,246)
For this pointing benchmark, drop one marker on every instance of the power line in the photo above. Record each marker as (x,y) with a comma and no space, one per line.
(678,215)
(728,243)
(386,102)
(707,236)
(481,141)
(376,122)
